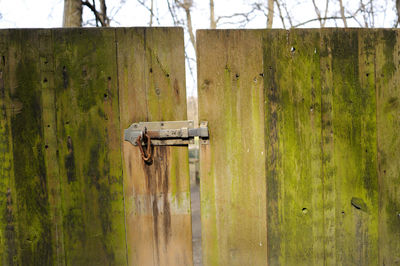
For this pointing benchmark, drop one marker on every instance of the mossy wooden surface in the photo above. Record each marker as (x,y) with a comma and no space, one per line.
(331,145)
(61,165)
(46,60)
(86,96)
(387,75)
(28,199)
(8,233)
(151,70)
(293,148)
(232,183)
(354,148)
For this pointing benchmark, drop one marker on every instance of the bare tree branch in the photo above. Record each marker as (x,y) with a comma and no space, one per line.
(280,13)
(326,12)
(245,16)
(317,12)
(151,13)
(100,16)
(398,12)
(172,11)
(150,9)
(371,13)
(114,11)
(187,5)
(354,16)
(342,13)
(364,13)
(315,19)
(103,13)
(287,14)
(94,6)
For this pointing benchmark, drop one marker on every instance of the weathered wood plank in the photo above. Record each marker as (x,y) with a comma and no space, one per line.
(387,76)
(29,205)
(233,185)
(327,171)
(51,145)
(293,148)
(353,154)
(157,197)
(89,148)
(8,235)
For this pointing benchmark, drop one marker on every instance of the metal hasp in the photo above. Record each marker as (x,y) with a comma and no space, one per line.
(168,132)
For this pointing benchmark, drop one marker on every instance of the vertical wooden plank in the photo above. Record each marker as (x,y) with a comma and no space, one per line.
(232,183)
(387,76)
(132,78)
(157,197)
(353,153)
(367,241)
(29,204)
(327,163)
(293,145)
(89,150)
(8,236)
(51,145)
(273,40)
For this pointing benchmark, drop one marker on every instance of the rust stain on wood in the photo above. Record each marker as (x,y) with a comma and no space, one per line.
(157,193)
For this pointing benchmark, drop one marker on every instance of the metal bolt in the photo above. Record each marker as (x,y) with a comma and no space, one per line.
(158,91)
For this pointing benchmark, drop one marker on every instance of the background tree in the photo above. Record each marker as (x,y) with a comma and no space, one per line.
(73,11)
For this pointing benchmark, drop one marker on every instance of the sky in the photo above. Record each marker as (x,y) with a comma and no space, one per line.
(129,13)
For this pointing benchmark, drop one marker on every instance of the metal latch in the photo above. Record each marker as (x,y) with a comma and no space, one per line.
(167,132)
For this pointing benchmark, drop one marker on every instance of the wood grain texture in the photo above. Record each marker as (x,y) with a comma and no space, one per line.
(354,148)
(232,183)
(60,148)
(8,235)
(46,59)
(293,144)
(157,196)
(327,166)
(28,195)
(89,155)
(324,100)
(387,75)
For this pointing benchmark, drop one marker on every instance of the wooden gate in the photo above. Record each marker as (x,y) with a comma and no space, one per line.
(66,182)
(303,165)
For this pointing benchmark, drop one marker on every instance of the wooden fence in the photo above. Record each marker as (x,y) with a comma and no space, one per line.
(302,168)
(66,96)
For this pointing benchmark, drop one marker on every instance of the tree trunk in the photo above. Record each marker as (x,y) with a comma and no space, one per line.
(398,12)
(213,23)
(72,13)
(190,27)
(270,18)
(103,12)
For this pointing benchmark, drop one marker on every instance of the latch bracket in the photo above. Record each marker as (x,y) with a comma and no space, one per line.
(176,133)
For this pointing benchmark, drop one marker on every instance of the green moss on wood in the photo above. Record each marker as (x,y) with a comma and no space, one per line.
(30,178)
(88,127)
